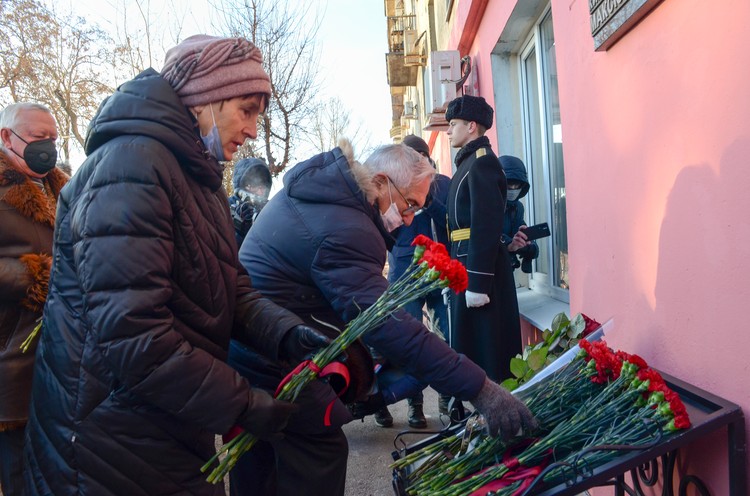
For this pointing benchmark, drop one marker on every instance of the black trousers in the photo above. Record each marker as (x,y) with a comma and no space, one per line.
(311,458)
(11,462)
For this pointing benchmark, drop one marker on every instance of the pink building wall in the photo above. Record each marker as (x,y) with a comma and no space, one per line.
(657,178)
(656,136)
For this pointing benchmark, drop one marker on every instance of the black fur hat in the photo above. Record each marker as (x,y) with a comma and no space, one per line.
(470,108)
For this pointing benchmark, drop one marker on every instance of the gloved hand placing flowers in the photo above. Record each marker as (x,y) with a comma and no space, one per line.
(505,414)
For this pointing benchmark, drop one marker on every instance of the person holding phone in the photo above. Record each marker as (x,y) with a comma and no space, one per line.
(514,224)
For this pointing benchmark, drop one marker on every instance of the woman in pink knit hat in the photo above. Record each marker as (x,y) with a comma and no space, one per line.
(130,383)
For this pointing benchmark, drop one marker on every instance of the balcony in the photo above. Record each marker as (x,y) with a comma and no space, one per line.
(400,74)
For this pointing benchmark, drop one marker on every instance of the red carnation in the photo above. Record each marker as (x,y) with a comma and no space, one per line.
(422,240)
(591,325)
(634,359)
(459,279)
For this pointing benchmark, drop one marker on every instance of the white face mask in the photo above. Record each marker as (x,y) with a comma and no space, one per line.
(513,194)
(392,219)
(213,140)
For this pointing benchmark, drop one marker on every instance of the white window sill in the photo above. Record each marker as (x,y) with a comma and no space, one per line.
(538,309)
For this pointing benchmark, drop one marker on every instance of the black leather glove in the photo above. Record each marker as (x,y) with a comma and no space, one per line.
(265,416)
(505,414)
(301,342)
(361,409)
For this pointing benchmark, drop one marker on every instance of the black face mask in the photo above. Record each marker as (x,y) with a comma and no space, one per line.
(40,156)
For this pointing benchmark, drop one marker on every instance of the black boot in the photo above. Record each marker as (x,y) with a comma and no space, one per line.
(383,417)
(416,415)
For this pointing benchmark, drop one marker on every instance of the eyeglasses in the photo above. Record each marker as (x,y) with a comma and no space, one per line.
(412,208)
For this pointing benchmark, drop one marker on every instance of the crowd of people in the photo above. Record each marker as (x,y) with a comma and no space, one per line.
(170,313)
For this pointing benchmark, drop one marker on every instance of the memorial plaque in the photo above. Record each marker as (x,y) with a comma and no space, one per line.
(612,19)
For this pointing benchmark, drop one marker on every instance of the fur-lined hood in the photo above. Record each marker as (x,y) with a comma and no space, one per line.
(336,178)
(18,191)
(330,177)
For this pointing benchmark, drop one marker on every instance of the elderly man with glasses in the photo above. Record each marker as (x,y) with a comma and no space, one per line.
(29,186)
(318,248)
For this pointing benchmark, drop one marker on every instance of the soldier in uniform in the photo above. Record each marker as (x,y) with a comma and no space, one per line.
(485,321)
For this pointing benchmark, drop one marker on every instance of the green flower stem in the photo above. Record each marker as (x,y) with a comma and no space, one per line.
(440,446)
(32,335)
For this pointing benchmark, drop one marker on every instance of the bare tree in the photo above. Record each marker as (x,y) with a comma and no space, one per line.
(143,35)
(286,35)
(55,60)
(331,122)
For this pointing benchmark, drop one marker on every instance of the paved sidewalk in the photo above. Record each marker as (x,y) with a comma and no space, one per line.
(370,447)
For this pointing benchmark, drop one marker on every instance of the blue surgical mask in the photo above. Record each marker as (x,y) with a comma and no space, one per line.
(513,194)
(213,140)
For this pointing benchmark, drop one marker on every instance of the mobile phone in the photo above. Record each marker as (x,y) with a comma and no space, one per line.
(537,231)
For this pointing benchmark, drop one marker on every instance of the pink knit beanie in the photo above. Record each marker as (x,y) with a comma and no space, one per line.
(205,69)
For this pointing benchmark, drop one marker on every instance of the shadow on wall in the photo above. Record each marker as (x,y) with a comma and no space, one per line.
(702,290)
(696,328)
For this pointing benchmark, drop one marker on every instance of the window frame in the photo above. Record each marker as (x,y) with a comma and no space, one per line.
(511,78)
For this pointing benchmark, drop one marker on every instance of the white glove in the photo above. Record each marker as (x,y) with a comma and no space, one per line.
(474,300)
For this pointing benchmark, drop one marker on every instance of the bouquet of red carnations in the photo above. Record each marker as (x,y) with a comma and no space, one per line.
(431,268)
(602,399)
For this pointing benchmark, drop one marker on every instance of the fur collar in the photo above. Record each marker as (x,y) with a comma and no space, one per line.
(26,197)
(470,148)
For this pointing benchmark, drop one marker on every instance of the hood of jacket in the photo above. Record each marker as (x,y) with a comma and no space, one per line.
(515,171)
(252,170)
(149,104)
(327,178)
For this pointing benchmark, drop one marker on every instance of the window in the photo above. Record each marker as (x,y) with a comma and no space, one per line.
(542,149)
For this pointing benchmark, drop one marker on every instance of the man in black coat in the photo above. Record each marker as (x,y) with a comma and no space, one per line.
(485,321)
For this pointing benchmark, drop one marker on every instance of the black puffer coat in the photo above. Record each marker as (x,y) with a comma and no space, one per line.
(130,383)
(318,248)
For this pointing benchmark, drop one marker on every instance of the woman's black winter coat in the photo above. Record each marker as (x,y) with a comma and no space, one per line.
(130,385)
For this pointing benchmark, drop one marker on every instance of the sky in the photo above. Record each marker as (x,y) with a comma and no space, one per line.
(352,39)
(353,58)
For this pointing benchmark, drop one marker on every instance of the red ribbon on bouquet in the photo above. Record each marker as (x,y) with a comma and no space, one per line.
(516,472)
(337,368)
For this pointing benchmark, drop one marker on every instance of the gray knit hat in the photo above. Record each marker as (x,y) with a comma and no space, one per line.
(205,69)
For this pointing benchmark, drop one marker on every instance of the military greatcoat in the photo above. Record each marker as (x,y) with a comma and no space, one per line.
(489,335)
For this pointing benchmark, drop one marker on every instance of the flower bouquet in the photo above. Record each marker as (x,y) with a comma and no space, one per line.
(431,268)
(586,411)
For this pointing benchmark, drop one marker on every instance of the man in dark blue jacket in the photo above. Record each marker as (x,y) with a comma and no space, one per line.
(430,222)
(318,249)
